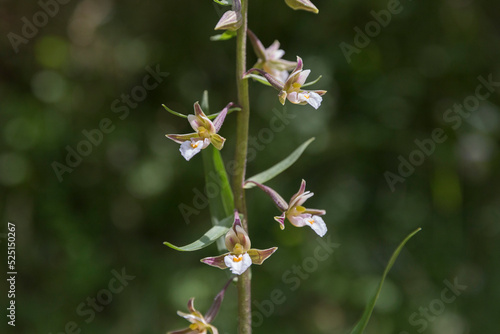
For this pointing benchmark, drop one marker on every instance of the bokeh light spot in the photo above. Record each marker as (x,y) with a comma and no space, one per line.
(48,86)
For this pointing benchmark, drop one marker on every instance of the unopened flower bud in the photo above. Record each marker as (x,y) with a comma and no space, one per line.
(303,5)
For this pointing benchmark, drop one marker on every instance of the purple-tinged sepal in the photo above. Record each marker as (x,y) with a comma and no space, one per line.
(306,5)
(216,261)
(232,19)
(277,199)
(258,256)
(214,309)
(274,82)
(281,220)
(219,120)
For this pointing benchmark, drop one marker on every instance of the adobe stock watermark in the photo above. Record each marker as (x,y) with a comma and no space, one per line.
(87,310)
(372,29)
(436,307)
(94,137)
(256,143)
(454,117)
(31,26)
(293,279)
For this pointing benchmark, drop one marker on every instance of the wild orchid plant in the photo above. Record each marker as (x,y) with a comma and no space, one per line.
(228,209)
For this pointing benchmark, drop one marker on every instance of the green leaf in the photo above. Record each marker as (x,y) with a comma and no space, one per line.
(279,167)
(228,34)
(219,193)
(173,112)
(312,82)
(361,325)
(258,78)
(224,2)
(216,179)
(206,239)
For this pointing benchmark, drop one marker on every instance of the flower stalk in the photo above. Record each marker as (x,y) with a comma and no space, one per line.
(242,124)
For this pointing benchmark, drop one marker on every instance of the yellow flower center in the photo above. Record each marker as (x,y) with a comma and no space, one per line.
(237,258)
(194,145)
(310,221)
(300,209)
(203,132)
(238,249)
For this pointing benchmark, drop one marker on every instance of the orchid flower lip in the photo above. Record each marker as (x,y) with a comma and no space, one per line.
(238,264)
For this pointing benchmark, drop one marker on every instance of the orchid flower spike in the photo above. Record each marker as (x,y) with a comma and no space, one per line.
(206,132)
(199,323)
(291,88)
(270,59)
(297,214)
(232,19)
(240,256)
(303,5)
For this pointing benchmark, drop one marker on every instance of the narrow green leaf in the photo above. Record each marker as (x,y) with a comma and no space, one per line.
(173,112)
(279,167)
(206,239)
(224,2)
(216,179)
(312,82)
(361,325)
(219,193)
(258,78)
(228,34)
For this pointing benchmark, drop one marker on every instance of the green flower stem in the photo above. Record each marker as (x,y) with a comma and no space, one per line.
(242,123)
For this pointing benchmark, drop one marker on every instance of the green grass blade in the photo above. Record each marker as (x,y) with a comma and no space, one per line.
(258,78)
(279,167)
(228,34)
(221,203)
(312,82)
(361,325)
(174,112)
(206,239)
(224,2)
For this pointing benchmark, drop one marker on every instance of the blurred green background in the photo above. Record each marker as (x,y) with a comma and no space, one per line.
(118,205)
